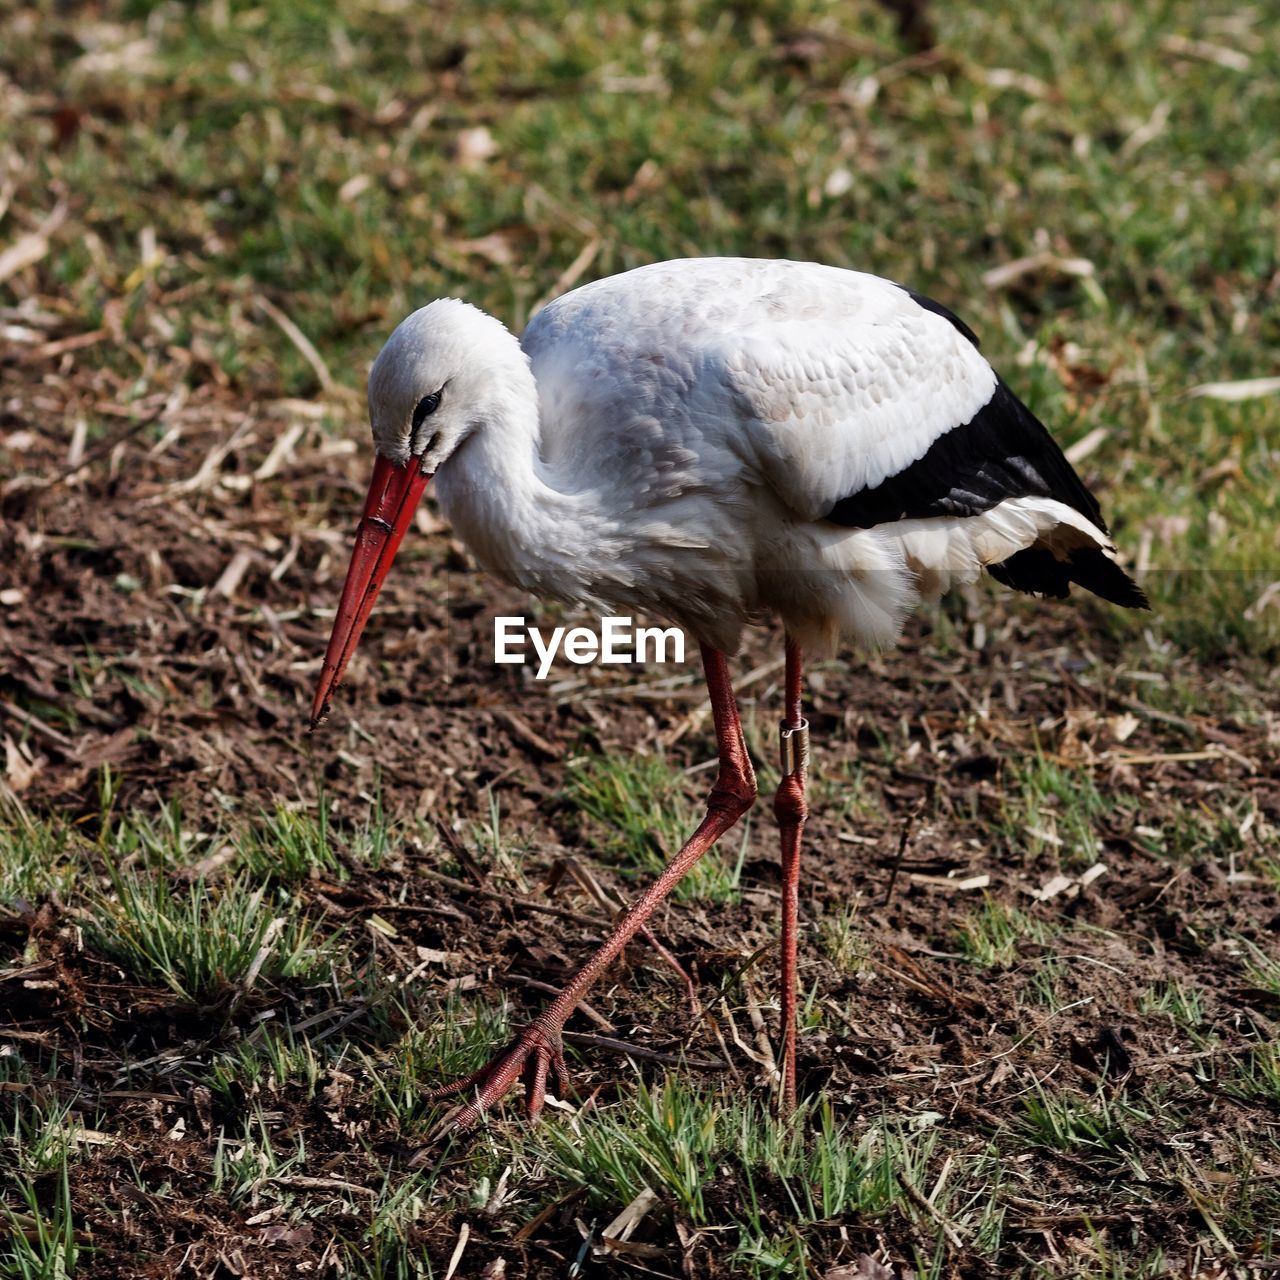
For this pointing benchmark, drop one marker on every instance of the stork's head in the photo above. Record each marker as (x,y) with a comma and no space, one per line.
(442,373)
(446,370)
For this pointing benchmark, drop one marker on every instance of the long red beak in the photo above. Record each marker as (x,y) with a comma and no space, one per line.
(394,493)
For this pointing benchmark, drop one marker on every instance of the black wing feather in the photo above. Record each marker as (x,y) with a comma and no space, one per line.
(1038,572)
(1004,451)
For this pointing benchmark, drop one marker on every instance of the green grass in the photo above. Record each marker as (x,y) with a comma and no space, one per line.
(1045,984)
(994,935)
(1258,1075)
(1205,832)
(1067,1122)
(1053,810)
(263,1066)
(682,1141)
(719,1161)
(1184,1004)
(389,1250)
(443,1042)
(40,1138)
(293,844)
(645,813)
(842,939)
(243,1162)
(38,1237)
(38,855)
(42,1134)
(1263,969)
(203,941)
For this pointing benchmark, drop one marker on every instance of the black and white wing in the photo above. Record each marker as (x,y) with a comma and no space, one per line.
(891,414)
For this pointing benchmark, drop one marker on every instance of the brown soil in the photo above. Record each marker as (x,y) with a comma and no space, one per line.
(163,613)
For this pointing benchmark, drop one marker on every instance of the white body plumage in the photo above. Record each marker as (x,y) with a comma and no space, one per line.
(715,440)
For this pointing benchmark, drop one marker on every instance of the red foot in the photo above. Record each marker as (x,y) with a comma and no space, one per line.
(536,1051)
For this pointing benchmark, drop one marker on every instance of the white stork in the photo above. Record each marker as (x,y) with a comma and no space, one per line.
(715,441)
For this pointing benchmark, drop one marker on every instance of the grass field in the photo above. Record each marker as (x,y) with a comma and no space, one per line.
(1041,976)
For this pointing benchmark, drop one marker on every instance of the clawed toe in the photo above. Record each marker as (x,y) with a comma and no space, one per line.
(456,1087)
(534,1055)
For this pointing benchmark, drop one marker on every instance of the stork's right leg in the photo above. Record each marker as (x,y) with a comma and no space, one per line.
(791,808)
(537,1049)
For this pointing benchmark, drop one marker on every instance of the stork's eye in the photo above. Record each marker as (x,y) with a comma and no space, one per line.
(425,408)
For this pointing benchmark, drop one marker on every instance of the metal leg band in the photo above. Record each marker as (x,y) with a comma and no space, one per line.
(793,747)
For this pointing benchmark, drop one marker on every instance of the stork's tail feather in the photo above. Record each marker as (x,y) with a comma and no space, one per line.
(1037,571)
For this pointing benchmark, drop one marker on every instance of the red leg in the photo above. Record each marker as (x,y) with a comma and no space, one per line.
(791,809)
(538,1047)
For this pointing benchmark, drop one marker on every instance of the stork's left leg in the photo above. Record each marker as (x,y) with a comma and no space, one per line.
(536,1050)
(791,809)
